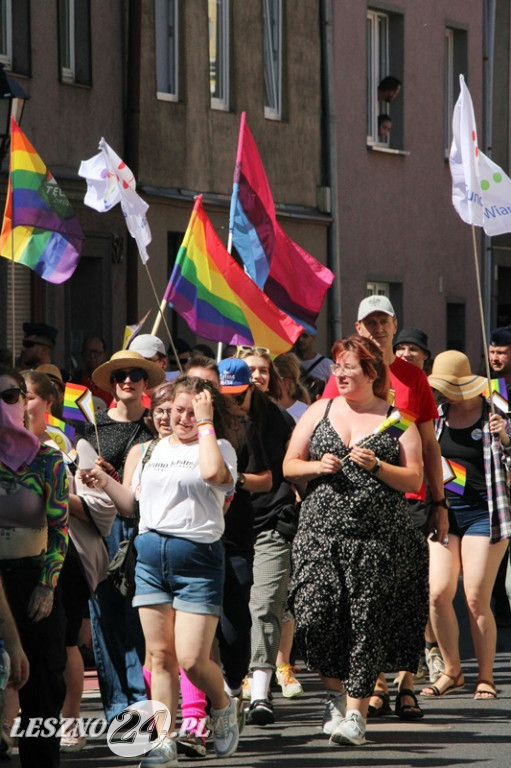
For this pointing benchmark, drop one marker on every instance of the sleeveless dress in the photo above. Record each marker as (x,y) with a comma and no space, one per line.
(360,578)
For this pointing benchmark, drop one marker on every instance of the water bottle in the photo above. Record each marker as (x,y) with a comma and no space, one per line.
(5,666)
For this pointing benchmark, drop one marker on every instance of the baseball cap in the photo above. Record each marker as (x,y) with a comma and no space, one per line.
(235,376)
(374,304)
(147,345)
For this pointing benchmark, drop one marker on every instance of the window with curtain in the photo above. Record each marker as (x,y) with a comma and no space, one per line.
(166,19)
(272,10)
(218,21)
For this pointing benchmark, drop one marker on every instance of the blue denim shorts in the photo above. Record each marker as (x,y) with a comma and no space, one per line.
(469,520)
(188,575)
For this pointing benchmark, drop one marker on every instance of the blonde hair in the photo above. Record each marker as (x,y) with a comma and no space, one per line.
(288,366)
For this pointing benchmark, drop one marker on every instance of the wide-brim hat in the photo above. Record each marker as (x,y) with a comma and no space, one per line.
(452,377)
(127,359)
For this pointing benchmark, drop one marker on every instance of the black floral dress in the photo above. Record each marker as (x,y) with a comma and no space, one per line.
(360,583)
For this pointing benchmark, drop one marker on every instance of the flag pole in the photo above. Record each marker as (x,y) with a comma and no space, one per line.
(161,316)
(481,312)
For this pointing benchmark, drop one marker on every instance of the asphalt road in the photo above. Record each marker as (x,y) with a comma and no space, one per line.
(456,730)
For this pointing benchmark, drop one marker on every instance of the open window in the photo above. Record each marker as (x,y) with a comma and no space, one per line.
(384,79)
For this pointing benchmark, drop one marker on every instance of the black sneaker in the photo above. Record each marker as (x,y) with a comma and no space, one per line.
(189,744)
(260,713)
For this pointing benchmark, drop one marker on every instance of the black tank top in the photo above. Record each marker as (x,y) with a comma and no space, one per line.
(465,446)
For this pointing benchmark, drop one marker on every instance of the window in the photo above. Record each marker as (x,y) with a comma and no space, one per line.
(15,35)
(167,51)
(455,337)
(393,291)
(75,41)
(272,11)
(384,54)
(455,64)
(218,18)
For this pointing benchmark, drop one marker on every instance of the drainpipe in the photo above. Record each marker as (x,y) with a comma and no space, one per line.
(329,161)
(488,56)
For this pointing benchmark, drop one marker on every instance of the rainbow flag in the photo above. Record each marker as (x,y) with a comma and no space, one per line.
(293,279)
(67,429)
(395,424)
(454,475)
(499,394)
(78,403)
(39,228)
(217,299)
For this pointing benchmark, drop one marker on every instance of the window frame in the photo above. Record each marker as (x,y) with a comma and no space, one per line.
(6,15)
(167,48)
(219,67)
(74,38)
(377,62)
(273,58)
(67,36)
(455,63)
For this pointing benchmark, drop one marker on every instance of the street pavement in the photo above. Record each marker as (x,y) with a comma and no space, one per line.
(456,729)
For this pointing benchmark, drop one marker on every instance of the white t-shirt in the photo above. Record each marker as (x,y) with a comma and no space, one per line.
(321,370)
(174,499)
(297,409)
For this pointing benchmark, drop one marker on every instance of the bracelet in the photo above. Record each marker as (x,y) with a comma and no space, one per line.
(206,432)
(204,421)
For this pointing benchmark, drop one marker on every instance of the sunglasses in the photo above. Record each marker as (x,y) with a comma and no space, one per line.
(28,344)
(240,399)
(12,395)
(135,375)
(252,350)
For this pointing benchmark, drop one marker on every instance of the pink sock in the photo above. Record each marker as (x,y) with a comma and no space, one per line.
(193,704)
(147,681)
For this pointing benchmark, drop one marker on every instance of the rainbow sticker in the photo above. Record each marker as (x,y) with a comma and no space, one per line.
(454,476)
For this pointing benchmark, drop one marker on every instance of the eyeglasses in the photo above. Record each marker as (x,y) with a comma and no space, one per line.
(12,395)
(160,412)
(29,343)
(135,375)
(345,369)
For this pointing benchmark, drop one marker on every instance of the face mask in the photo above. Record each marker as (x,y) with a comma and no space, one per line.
(17,444)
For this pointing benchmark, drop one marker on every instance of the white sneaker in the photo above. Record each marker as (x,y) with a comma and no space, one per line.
(435,663)
(351,730)
(291,688)
(164,755)
(224,724)
(72,743)
(335,711)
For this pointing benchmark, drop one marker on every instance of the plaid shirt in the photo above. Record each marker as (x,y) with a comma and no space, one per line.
(497,463)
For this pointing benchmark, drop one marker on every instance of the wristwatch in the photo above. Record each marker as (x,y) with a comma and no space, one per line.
(376,467)
(241,480)
(442,503)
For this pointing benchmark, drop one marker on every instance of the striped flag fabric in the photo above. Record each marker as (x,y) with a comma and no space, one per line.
(395,424)
(454,475)
(218,299)
(78,403)
(39,228)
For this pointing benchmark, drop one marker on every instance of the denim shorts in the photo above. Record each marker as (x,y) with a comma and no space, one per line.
(188,575)
(469,520)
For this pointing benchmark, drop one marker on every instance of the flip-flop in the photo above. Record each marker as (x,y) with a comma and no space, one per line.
(385,708)
(438,692)
(482,694)
(408,711)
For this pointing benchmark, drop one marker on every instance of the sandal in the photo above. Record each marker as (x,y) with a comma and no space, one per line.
(385,708)
(482,694)
(436,691)
(408,711)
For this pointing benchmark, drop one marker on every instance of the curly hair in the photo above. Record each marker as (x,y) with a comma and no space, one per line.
(224,421)
(370,358)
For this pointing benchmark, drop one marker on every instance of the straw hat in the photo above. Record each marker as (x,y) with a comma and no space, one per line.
(127,359)
(452,376)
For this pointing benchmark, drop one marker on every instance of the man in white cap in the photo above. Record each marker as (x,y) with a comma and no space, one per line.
(150,347)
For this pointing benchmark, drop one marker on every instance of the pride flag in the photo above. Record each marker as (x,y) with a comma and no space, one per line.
(217,299)
(39,228)
(293,279)
(454,475)
(78,403)
(67,429)
(499,395)
(395,424)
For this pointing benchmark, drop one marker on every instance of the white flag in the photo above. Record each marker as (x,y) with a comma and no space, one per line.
(481,191)
(110,181)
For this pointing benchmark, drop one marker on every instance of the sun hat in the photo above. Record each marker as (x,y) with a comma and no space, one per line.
(452,377)
(148,345)
(413,336)
(126,358)
(53,373)
(235,376)
(374,304)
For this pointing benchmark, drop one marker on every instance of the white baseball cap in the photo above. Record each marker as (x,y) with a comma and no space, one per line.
(147,345)
(374,304)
